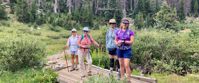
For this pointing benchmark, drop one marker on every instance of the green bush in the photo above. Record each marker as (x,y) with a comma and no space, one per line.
(101,59)
(166,51)
(20,52)
(3,14)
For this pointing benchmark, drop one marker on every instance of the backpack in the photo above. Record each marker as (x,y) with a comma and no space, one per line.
(82,37)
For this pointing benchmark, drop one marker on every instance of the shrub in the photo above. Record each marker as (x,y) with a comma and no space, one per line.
(166,51)
(20,52)
(101,59)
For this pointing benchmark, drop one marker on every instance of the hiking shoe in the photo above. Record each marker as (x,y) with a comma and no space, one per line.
(83,76)
(76,68)
(72,68)
(111,72)
(118,75)
(89,73)
(128,81)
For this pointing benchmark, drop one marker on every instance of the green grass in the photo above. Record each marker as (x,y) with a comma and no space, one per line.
(28,76)
(54,41)
(173,78)
(103,79)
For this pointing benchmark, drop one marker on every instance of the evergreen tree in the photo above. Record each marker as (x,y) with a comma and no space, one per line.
(139,20)
(3,14)
(166,17)
(196,8)
(181,14)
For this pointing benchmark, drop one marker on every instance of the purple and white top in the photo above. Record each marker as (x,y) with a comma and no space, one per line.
(124,35)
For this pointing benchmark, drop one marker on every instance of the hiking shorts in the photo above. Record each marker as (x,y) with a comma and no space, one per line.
(73,53)
(124,53)
(112,51)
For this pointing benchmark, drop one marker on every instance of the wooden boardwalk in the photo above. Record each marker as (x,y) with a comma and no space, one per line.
(57,63)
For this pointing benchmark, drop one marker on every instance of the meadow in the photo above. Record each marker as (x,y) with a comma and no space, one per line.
(180,50)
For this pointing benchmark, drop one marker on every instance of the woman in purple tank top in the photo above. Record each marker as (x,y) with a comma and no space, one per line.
(124,39)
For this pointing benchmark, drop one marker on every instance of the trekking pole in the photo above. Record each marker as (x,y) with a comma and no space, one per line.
(65,55)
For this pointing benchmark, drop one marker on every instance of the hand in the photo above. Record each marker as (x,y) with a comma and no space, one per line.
(97,45)
(120,41)
(65,47)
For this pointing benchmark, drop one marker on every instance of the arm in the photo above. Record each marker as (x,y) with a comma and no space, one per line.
(131,40)
(67,44)
(94,42)
(117,41)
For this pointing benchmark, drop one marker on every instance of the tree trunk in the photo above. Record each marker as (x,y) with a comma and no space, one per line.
(39,3)
(123,6)
(187,7)
(29,2)
(69,4)
(135,5)
(55,8)
(8,1)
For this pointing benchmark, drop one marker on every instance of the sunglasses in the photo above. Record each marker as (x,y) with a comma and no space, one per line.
(85,31)
(112,23)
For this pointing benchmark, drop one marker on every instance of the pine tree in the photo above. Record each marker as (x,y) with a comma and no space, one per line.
(196,8)
(3,14)
(181,13)
(166,17)
(139,20)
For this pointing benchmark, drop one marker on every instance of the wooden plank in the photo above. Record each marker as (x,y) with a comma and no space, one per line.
(75,76)
(146,79)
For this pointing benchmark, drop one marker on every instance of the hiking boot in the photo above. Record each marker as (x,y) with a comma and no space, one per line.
(128,81)
(89,73)
(72,68)
(76,68)
(83,76)
(118,75)
(111,72)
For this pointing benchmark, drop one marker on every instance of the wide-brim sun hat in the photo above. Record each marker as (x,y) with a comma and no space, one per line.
(125,21)
(86,29)
(112,21)
(73,30)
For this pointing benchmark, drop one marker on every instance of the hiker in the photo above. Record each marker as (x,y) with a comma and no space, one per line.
(84,42)
(111,46)
(73,48)
(124,39)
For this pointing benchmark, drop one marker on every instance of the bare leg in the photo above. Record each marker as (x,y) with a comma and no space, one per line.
(72,59)
(121,61)
(76,59)
(127,68)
